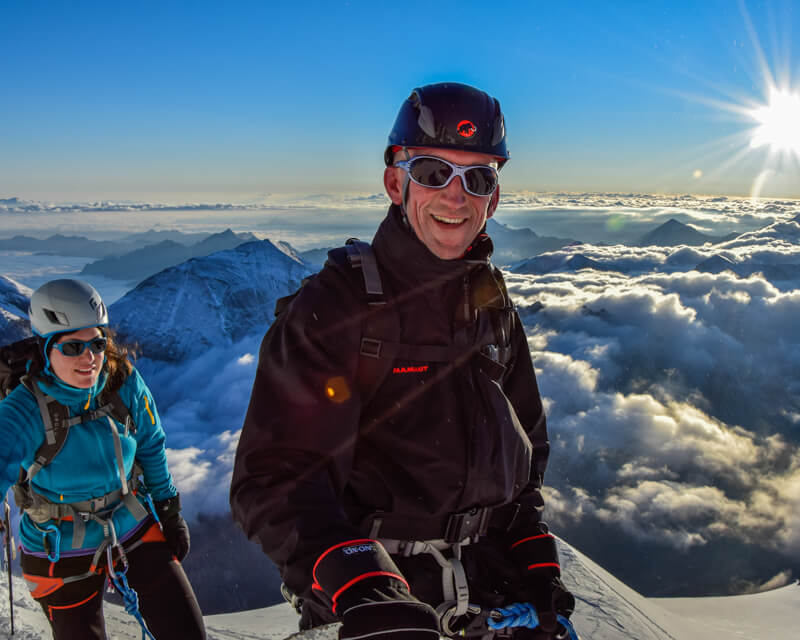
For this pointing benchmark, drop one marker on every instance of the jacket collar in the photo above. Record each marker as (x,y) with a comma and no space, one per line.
(69,396)
(412,263)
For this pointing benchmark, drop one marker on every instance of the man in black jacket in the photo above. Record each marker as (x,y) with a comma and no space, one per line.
(393,452)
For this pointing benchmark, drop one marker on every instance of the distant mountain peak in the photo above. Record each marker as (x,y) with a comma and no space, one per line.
(673,233)
(223,234)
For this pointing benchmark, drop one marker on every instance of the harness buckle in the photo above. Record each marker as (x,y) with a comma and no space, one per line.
(491,351)
(371,348)
(467,525)
(96,504)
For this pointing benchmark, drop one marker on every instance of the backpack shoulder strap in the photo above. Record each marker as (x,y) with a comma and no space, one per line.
(121,413)
(361,256)
(381,322)
(56,421)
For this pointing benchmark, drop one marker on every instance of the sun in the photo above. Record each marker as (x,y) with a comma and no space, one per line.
(778,122)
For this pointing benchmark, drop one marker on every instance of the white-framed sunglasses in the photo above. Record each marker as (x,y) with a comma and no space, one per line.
(436,173)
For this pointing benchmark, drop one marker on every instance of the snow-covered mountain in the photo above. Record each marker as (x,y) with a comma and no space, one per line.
(14,299)
(606,609)
(211,301)
(138,264)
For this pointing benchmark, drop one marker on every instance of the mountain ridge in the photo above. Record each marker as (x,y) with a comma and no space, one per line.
(221,298)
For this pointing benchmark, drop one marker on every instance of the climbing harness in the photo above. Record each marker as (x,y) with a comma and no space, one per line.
(455,589)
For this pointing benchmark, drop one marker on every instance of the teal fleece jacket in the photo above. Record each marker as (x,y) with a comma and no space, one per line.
(86,467)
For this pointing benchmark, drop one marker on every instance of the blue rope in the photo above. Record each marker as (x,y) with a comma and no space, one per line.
(565,621)
(523,614)
(519,614)
(131,600)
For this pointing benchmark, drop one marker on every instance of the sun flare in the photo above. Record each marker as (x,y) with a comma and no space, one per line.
(778,122)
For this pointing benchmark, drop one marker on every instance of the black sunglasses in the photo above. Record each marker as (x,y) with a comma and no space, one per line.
(436,173)
(74,348)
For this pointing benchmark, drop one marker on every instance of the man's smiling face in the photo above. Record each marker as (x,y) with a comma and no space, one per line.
(445,220)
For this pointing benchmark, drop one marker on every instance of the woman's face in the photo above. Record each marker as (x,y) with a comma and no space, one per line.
(79,371)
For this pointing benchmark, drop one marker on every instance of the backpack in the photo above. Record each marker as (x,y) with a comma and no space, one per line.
(15,360)
(381,330)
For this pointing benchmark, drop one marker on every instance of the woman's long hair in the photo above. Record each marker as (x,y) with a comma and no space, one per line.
(118,363)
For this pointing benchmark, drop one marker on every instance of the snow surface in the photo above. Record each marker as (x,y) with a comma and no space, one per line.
(606,610)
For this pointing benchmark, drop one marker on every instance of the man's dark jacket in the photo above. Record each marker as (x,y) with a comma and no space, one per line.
(316,462)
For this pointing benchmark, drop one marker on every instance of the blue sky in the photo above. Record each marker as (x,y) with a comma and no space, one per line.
(173,101)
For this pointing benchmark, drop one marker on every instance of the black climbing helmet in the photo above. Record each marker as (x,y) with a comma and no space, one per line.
(449,115)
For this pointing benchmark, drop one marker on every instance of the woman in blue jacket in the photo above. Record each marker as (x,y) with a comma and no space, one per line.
(75,438)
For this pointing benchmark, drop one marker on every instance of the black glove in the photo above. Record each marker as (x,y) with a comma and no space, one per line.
(174,527)
(366,589)
(536,557)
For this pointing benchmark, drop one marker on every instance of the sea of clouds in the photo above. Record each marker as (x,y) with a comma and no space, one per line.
(672,384)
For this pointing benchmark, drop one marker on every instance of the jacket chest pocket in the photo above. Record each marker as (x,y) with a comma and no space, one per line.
(504,448)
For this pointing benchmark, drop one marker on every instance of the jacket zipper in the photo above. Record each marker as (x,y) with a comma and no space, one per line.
(472,439)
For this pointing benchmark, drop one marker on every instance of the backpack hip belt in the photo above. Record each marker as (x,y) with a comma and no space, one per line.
(98,509)
(462,527)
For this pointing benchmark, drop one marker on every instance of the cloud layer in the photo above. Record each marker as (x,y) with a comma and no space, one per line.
(673,394)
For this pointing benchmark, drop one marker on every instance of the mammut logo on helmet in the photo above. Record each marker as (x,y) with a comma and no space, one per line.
(466,129)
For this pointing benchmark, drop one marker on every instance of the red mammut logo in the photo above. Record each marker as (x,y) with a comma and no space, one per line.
(421,369)
(466,129)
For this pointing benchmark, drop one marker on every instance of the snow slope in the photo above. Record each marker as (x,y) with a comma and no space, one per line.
(606,610)
(14,299)
(211,301)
